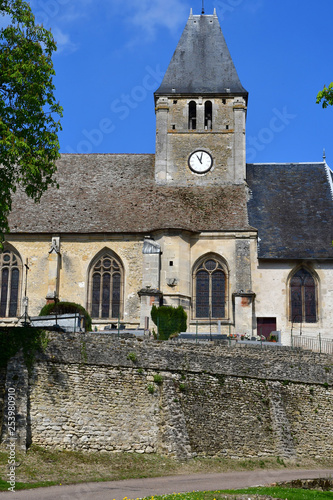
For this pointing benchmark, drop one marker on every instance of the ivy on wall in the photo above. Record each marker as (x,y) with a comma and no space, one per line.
(30,340)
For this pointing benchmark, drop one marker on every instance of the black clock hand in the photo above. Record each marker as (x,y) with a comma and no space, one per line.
(200,159)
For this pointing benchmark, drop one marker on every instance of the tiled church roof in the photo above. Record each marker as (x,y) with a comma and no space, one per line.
(201,63)
(292,208)
(117,194)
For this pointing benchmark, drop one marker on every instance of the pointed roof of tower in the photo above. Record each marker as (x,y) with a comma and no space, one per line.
(201,63)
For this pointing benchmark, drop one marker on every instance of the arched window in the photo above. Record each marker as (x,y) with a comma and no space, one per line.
(192,115)
(10,282)
(210,289)
(303,297)
(208,115)
(106,287)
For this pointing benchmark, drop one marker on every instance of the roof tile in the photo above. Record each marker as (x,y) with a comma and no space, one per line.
(292,208)
(117,194)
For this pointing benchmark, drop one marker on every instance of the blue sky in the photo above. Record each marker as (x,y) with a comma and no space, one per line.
(112,54)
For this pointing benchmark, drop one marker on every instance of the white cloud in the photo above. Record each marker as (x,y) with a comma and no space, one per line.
(64,43)
(145,16)
(253,6)
(72,10)
(54,14)
(149,16)
(50,12)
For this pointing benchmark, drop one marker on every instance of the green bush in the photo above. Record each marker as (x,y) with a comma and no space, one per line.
(132,356)
(67,308)
(169,320)
(158,379)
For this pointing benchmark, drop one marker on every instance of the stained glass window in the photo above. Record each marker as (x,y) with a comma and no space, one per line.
(10,273)
(210,290)
(303,297)
(106,288)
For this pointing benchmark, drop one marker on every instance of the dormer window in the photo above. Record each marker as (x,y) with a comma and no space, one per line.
(192,115)
(208,115)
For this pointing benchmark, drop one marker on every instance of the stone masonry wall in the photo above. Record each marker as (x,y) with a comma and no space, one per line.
(97,392)
(2,394)
(93,408)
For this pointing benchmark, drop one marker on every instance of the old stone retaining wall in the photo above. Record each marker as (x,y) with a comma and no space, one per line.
(95,392)
(2,392)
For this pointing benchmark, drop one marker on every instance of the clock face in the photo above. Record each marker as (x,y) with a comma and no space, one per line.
(200,161)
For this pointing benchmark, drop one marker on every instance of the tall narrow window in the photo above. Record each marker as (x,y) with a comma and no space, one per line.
(192,115)
(106,285)
(303,297)
(209,280)
(208,115)
(10,276)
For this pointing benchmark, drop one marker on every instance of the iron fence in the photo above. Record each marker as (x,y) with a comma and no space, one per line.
(318,344)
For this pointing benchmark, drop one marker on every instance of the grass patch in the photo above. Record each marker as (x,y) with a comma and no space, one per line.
(275,492)
(132,356)
(45,467)
(158,379)
(24,486)
(289,493)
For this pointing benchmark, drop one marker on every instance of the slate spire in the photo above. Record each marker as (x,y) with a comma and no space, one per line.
(201,63)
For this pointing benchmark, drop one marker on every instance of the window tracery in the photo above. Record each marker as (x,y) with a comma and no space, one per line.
(303,297)
(106,287)
(10,281)
(210,285)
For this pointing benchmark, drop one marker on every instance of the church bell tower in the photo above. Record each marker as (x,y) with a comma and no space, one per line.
(200,111)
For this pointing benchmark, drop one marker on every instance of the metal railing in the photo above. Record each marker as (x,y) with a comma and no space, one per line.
(318,344)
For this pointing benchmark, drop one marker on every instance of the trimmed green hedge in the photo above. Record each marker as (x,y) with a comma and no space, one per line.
(67,308)
(169,320)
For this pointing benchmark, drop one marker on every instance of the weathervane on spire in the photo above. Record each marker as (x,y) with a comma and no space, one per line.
(203,7)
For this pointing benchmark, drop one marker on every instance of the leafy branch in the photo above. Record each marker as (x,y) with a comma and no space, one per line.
(29,112)
(325,96)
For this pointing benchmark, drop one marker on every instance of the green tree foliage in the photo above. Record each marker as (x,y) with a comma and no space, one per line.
(29,113)
(67,308)
(169,320)
(325,96)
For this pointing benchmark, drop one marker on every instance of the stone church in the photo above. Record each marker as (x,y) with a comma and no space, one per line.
(244,248)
